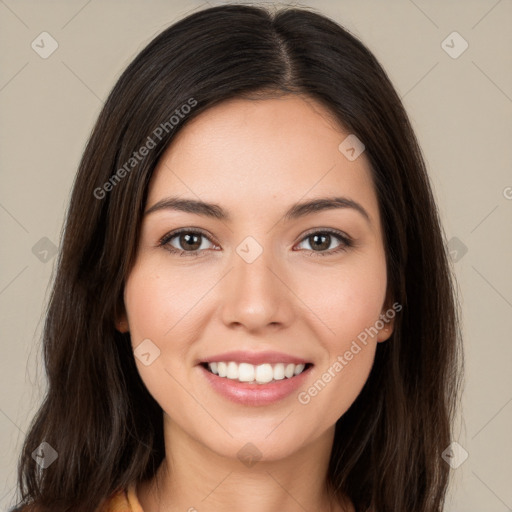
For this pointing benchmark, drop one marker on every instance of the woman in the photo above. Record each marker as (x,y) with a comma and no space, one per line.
(253,306)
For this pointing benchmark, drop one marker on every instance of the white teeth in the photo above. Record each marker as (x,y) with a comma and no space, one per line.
(279,371)
(299,369)
(289,371)
(232,372)
(264,373)
(261,374)
(246,372)
(222,368)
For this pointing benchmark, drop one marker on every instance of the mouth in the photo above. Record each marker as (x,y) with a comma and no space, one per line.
(261,374)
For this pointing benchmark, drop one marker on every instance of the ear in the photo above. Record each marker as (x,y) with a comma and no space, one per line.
(386,322)
(121,321)
(387,330)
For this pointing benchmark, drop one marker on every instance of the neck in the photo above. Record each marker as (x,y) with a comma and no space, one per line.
(194,478)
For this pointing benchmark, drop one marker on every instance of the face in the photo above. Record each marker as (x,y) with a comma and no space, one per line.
(274,287)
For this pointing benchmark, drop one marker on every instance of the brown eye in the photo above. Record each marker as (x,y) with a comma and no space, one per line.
(185,242)
(189,241)
(320,241)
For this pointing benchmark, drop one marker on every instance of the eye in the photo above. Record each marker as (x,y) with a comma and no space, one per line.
(321,240)
(190,242)
(188,239)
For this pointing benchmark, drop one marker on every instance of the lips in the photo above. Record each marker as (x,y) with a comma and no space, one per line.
(251,393)
(254,378)
(255,358)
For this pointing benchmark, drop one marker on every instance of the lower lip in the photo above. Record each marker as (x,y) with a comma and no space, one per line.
(254,394)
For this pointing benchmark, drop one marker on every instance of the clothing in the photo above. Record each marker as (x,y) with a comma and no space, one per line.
(122,501)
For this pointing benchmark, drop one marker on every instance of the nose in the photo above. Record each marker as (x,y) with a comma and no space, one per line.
(256,294)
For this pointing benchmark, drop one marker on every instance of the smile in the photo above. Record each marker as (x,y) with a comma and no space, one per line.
(265,384)
(259,374)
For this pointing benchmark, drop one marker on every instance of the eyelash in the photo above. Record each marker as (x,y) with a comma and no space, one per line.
(346,242)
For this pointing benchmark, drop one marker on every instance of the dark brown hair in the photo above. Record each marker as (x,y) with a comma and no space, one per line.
(97,413)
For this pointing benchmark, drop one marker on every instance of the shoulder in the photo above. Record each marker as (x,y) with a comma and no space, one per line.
(124,500)
(118,501)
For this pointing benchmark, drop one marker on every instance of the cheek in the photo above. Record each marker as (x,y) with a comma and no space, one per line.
(160,309)
(348,305)
(159,300)
(335,387)
(157,310)
(346,299)
(340,377)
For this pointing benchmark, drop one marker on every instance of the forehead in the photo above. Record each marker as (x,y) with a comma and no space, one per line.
(244,152)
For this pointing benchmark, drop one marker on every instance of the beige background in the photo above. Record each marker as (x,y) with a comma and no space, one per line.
(460,108)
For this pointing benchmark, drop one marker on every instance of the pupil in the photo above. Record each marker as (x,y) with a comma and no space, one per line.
(321,246)
(187,237)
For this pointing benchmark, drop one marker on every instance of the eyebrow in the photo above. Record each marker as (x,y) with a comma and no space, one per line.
(296,211)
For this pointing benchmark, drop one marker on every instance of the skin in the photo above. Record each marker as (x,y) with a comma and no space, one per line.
(255,158)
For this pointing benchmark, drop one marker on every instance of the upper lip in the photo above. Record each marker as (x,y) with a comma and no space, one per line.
(255,358)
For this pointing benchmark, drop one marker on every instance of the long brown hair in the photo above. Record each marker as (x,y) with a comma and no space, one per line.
(97,414)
